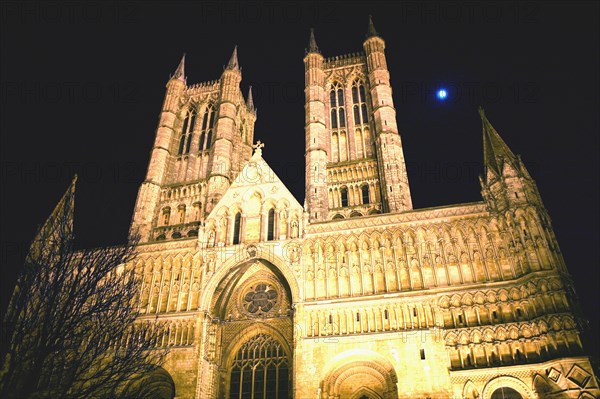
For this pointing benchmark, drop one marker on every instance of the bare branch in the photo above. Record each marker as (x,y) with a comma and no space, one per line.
(71,327)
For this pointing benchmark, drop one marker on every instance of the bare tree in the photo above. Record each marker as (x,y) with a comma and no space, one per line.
(70,330)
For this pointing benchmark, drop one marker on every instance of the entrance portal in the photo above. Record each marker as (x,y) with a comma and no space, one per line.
(371,378)
(252,329)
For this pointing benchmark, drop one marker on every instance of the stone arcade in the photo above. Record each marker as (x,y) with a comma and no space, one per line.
(354,294)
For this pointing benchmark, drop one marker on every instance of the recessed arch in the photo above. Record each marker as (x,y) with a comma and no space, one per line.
(261,367)
(470,391)
(240,276)
(156,384)
(251,331)
(275,262)
(506,381)
(250,305)
(365,392)
(353,373)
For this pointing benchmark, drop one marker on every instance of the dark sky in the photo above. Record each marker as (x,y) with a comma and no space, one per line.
(82,87)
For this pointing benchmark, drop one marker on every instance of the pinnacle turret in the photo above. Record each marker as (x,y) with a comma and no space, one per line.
(506,181)
(312,43)
(180,71)
(371,32)
(495,150)
(250,101)
(233,61)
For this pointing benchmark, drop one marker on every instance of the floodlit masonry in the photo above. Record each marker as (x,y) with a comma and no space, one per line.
(353,294)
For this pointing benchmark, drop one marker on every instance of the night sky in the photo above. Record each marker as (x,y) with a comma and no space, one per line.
(82,87)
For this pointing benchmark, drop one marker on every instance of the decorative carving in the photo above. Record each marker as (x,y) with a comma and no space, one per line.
(260,299)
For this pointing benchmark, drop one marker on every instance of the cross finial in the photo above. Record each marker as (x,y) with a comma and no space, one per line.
(258,148)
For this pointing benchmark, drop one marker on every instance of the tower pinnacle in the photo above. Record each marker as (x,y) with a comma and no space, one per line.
(371,32)
(233,61)
(312,43)
(495,150)
(180,71)
(249,101)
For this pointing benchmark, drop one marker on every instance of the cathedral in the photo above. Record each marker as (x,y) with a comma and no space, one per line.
(352,294)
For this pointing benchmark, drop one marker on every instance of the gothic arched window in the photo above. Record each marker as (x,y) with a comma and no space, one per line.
(365,194)
(181,213)
(344,193)
(260,370)
(334,122)
(187,131)
(365,115)
(336,104)
(166,215)
(339,145)
(236,228)
(208,121)
(271,225)
(359,101)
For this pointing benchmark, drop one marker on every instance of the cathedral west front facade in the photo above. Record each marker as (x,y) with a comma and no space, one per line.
(352,294)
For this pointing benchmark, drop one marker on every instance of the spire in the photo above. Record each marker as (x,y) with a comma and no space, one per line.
(371,32)
(233,61)
(58,228)
(180,71)
(249,101)
(495,150)
(312,43)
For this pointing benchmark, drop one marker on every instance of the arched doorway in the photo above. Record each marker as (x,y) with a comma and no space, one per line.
(157,384)
(250,338)
(366,393)
(370,377)
(506,387)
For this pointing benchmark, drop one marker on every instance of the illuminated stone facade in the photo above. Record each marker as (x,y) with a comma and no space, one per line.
(355,294)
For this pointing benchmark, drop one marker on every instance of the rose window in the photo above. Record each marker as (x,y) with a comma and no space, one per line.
(262,298)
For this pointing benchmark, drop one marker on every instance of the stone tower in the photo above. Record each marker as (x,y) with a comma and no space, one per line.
(354,159)
(357,294)
(193,162)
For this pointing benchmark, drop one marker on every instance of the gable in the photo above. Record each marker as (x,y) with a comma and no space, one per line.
(254,193)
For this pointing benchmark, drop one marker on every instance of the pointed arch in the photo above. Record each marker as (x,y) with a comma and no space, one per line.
(262,254)
(207,126)
(343,144)
(187,130)
(470,391)
(359,101)
(365,392)
(358,137)
(156,384)
(337,106)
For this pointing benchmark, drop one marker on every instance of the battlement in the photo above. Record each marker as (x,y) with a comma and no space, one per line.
(345,60)
(203,86)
